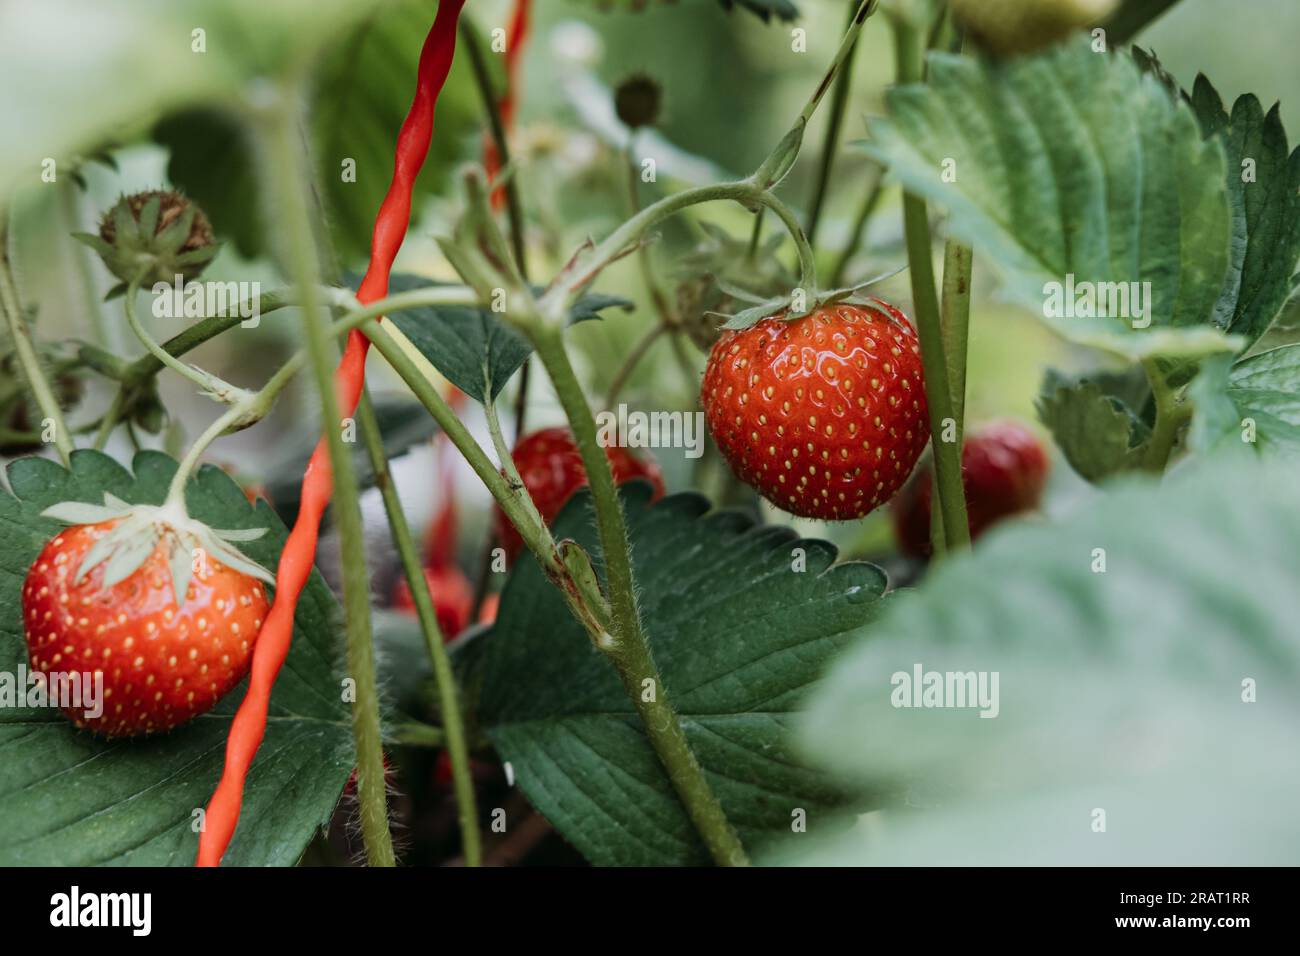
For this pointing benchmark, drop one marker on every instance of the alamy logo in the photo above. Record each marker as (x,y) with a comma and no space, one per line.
(65,690)
(75,908)
(1098,300)
(632,429)
(198,300)
(946,689)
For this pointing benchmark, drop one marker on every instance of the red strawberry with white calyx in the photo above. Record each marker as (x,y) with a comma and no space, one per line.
(159,607)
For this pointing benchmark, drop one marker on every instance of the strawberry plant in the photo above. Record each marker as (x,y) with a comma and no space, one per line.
(695,518)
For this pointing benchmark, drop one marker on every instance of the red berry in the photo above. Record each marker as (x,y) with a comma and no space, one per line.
(550,466)
(161,664)
(824,415)
(453,598)
(1004,469)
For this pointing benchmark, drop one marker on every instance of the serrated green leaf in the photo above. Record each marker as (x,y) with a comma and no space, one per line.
(1265,388)
(1097,432)
(1263,184)
(72,799)
(1124,189)
(739,634)
(1124,690)
(1216,422)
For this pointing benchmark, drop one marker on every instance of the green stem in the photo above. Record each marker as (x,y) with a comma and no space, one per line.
(954,312)
(413,734)
(403,358)
(839,100)
(288,177)
(1171,415)
(634,357)
(214,385)
(453,728)
(30,363)
(202,331)
(69,198)
(869,204)
(627,647)
(929,325)
(483,79)
(656,294)
(631,231)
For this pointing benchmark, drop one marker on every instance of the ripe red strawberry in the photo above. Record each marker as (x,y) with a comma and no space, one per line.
(453,598)
(550,466)
(1004,468)
(825,415)
(116,614)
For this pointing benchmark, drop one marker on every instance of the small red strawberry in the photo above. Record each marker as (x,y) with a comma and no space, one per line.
(550,467)
(453,598)
(1004,469)
(825,415)
(100,601)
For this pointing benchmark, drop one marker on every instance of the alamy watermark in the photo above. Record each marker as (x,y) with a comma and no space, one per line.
(636,429)
(946,689)
(62,690)
(1098,300)
(198,300)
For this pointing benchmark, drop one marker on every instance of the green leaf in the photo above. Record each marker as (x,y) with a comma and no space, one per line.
(1263,185)
(403,424)
(1164,685)
(72,799)
(1124,189)
(738,636)
(473,348)
(362,93)
(1266,389)
(1216,422)
(1098,433)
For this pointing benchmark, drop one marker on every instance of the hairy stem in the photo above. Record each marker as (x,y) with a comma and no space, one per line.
(25,350)
(290,176)
(208,383)
(627,647)
(453,727)
(929,326)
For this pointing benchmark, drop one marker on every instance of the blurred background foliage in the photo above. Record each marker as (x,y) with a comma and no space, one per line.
(80,80)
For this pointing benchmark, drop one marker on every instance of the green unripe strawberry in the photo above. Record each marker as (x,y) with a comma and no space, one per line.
(152,237)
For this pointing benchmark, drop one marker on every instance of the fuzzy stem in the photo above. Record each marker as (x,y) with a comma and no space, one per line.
(631,231)
(219,389)
(453,727)
(409,365)
(26,350)
(289,176)
(929,327)
(627,647)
